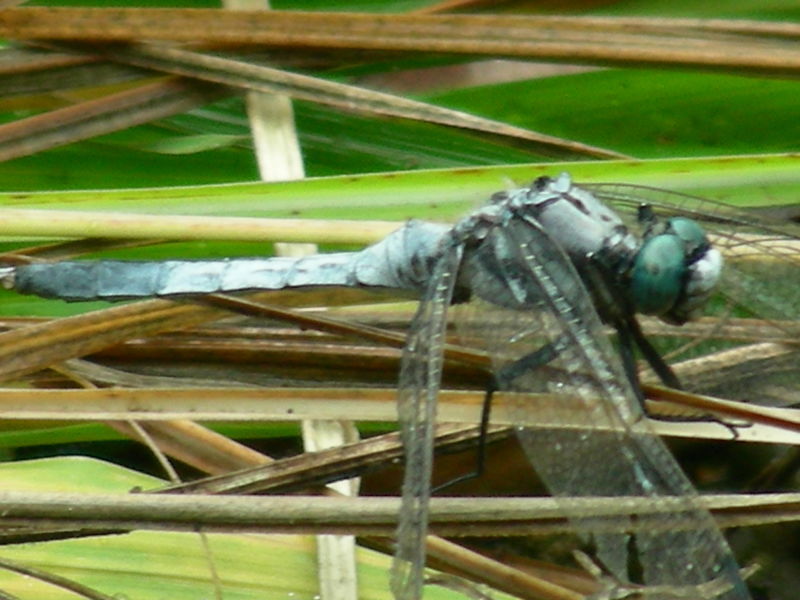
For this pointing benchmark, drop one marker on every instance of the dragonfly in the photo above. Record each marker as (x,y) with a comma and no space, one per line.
(543,270)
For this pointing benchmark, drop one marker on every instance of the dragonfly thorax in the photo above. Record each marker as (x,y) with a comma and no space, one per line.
(670,273)
(574,217)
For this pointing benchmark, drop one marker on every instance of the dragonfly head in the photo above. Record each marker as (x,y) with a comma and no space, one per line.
(675,271)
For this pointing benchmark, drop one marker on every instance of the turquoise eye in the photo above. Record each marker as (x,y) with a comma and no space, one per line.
(659,273)
(690,232)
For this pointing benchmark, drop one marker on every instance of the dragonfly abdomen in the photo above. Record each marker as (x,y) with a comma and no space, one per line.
(119,279)
(402,261)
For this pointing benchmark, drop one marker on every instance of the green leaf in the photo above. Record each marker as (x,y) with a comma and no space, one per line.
(647,113)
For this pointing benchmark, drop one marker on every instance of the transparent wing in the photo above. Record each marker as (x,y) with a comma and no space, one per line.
(758,301)
(420,377)
(608,450)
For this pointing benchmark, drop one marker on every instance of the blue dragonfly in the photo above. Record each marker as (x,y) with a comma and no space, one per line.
(542,271)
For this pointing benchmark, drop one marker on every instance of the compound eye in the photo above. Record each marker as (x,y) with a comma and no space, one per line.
(659,274)
(690,232)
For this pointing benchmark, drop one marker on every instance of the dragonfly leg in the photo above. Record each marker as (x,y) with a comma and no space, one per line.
(651,355)
(480,453)
(497,382)
(615,309)
(631,332)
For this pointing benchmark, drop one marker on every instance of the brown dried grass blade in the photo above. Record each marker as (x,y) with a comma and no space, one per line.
(142,104)
(737,45)
(376,515)
(38,78)
(236,73)
(30,349)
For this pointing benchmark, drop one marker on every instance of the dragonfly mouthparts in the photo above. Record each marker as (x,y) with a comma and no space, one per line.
(703,277)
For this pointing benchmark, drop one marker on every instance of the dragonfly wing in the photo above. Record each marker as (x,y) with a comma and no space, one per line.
(761,282)
(608,450)
(420,377)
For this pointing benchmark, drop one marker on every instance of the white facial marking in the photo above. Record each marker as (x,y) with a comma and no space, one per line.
(703,278)
(705,273)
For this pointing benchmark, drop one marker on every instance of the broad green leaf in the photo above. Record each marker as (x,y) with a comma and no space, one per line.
(648,113)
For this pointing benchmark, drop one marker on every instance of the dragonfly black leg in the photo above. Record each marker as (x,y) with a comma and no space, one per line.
(629,362)
(651,355)
(497,382)
(629,333)
(616,309)
(480,453)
